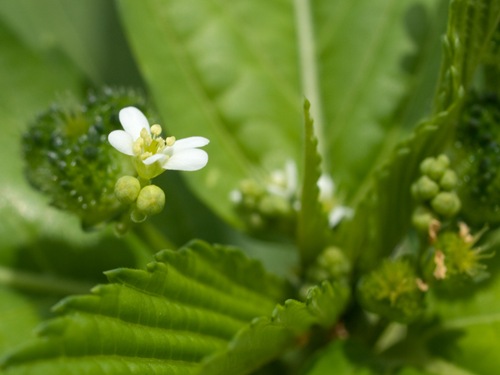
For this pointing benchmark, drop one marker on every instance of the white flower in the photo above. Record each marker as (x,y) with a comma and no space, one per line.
(336,213)
(284,182)
(153,154)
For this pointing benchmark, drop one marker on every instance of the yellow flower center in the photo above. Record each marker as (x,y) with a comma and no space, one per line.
(149,144)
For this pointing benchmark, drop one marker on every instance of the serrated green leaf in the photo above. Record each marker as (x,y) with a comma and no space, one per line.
(266,338)
(197,310)
(313,231)
(187,305)
(235,72)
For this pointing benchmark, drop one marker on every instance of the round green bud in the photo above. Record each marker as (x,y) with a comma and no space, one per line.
(273,205)
(331,264)
(435,167)
(151,200)
(446,204)
(449,180)
(422,218)
(425,189)
(127,189)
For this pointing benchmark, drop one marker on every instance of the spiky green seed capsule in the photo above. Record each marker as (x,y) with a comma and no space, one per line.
(151,200)
(392,291)
(477,152)
(453,264)
(69,159)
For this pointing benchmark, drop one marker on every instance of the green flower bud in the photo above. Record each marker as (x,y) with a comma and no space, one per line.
(449,180)
(446,204)
(425,189)
(435,167)
(127,189)
(151,200)
(331,264)
(273,205)
(69,159)
(422,218)
(392,291)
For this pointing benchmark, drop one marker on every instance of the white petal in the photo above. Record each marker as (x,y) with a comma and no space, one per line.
(338,214)
(154,158)
(187,160)
(326,188)
(122,141)
(190,142)
(133,121)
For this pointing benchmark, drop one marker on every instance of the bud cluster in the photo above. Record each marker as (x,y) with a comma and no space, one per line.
(435,190)
(143,199)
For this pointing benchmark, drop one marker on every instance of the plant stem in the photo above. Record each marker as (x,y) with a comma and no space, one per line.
(39,283)
(153,238)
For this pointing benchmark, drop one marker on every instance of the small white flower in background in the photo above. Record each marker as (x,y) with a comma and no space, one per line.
(153,154)
(336,213)
(284,182)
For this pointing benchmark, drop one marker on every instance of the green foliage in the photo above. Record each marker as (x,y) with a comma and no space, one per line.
(199,301)
(313,233)
(236,73)
(469,28)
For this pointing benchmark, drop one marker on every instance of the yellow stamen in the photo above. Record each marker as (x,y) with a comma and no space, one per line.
(170,141)
(156,130)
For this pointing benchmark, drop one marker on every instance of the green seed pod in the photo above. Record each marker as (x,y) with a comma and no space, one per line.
(392,291)
(151,200)
(425,189)
(127,189)
(68,156)
(446,204)
(449,180)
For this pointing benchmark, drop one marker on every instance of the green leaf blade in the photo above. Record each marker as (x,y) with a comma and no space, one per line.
(177,313)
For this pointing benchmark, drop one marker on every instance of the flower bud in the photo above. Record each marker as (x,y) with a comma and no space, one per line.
(127,189)
(449,180)
(422,219)
(331,264)
(446,204)
(151,200)
(425,189)
(435,167)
